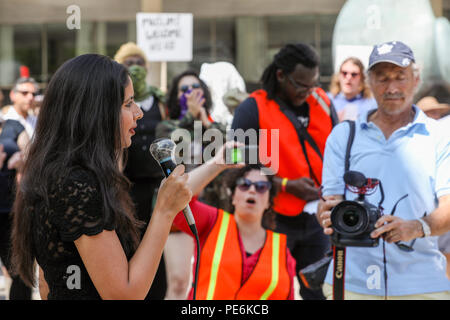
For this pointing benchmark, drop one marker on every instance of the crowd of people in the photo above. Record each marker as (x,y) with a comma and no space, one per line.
(84,202)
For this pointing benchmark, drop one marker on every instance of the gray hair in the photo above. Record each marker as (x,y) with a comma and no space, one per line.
(416,74)
(415,68)
(23,80)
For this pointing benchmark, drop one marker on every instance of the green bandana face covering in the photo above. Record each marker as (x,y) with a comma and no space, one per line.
(138,75)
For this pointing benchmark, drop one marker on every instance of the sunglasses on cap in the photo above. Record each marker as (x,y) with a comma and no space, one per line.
(185,88)
(260,186)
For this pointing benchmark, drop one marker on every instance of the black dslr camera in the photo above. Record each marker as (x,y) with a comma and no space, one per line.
(353,221)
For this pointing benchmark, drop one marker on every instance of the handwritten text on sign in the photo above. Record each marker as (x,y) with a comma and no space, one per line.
(165,36)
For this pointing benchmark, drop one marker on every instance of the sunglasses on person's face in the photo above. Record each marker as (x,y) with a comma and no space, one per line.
(352,74)
(25,93)
(299,87)
(185,87)
(260,186)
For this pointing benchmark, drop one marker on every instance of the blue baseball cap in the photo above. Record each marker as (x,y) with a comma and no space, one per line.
(395,52)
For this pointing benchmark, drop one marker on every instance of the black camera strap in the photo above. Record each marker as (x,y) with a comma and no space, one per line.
(303,136)
(339,252)
(351,137)
(338,272)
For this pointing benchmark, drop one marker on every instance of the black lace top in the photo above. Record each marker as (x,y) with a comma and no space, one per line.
(75,208)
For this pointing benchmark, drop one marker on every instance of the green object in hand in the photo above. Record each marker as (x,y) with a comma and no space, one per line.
(236,155)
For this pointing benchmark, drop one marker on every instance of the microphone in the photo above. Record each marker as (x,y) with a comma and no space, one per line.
(355,178)
(162,151)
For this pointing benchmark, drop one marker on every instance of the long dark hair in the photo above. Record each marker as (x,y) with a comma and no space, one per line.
(286,60)
(234,174)
(172,101)
(78,125)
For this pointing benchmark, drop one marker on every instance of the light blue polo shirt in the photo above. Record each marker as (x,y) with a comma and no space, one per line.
(363,104)
(415,160)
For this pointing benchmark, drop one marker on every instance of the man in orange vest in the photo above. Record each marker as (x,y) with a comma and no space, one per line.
(292,102)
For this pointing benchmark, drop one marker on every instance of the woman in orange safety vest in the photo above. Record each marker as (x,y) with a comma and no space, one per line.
(239,259)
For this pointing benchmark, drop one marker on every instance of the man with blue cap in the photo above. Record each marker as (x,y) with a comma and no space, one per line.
(410,154)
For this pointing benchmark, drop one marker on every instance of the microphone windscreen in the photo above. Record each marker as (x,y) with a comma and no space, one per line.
(162,148)
(355,178)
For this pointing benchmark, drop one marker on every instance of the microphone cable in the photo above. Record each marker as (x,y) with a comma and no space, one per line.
(197,262)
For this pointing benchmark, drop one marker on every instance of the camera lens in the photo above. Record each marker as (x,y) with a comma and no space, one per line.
(350,218)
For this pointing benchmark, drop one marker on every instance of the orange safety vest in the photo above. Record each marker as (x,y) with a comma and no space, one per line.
(292,162)
(221,266)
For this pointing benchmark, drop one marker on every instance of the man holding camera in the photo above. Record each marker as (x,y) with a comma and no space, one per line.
(410,154)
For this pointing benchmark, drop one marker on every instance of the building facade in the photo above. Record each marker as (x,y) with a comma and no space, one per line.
(42,34)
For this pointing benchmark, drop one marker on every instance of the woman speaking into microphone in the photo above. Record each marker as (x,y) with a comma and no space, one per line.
(73,213)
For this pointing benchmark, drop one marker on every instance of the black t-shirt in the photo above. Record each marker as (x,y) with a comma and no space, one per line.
(75,208)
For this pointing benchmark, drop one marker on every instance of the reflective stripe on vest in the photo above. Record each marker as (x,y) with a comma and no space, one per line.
(218,255)
(322,103)
(270,279)
(221,266)
(275,266)
(215,269)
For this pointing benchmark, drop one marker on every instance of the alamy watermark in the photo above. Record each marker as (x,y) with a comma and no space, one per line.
(73,277)
(73,21)
(194,151)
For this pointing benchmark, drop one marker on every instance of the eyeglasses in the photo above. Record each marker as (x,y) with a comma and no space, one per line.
(405,247)
(301,87)
(260,186)
(402,246)
(352,74)
(25,93)
(185,87)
